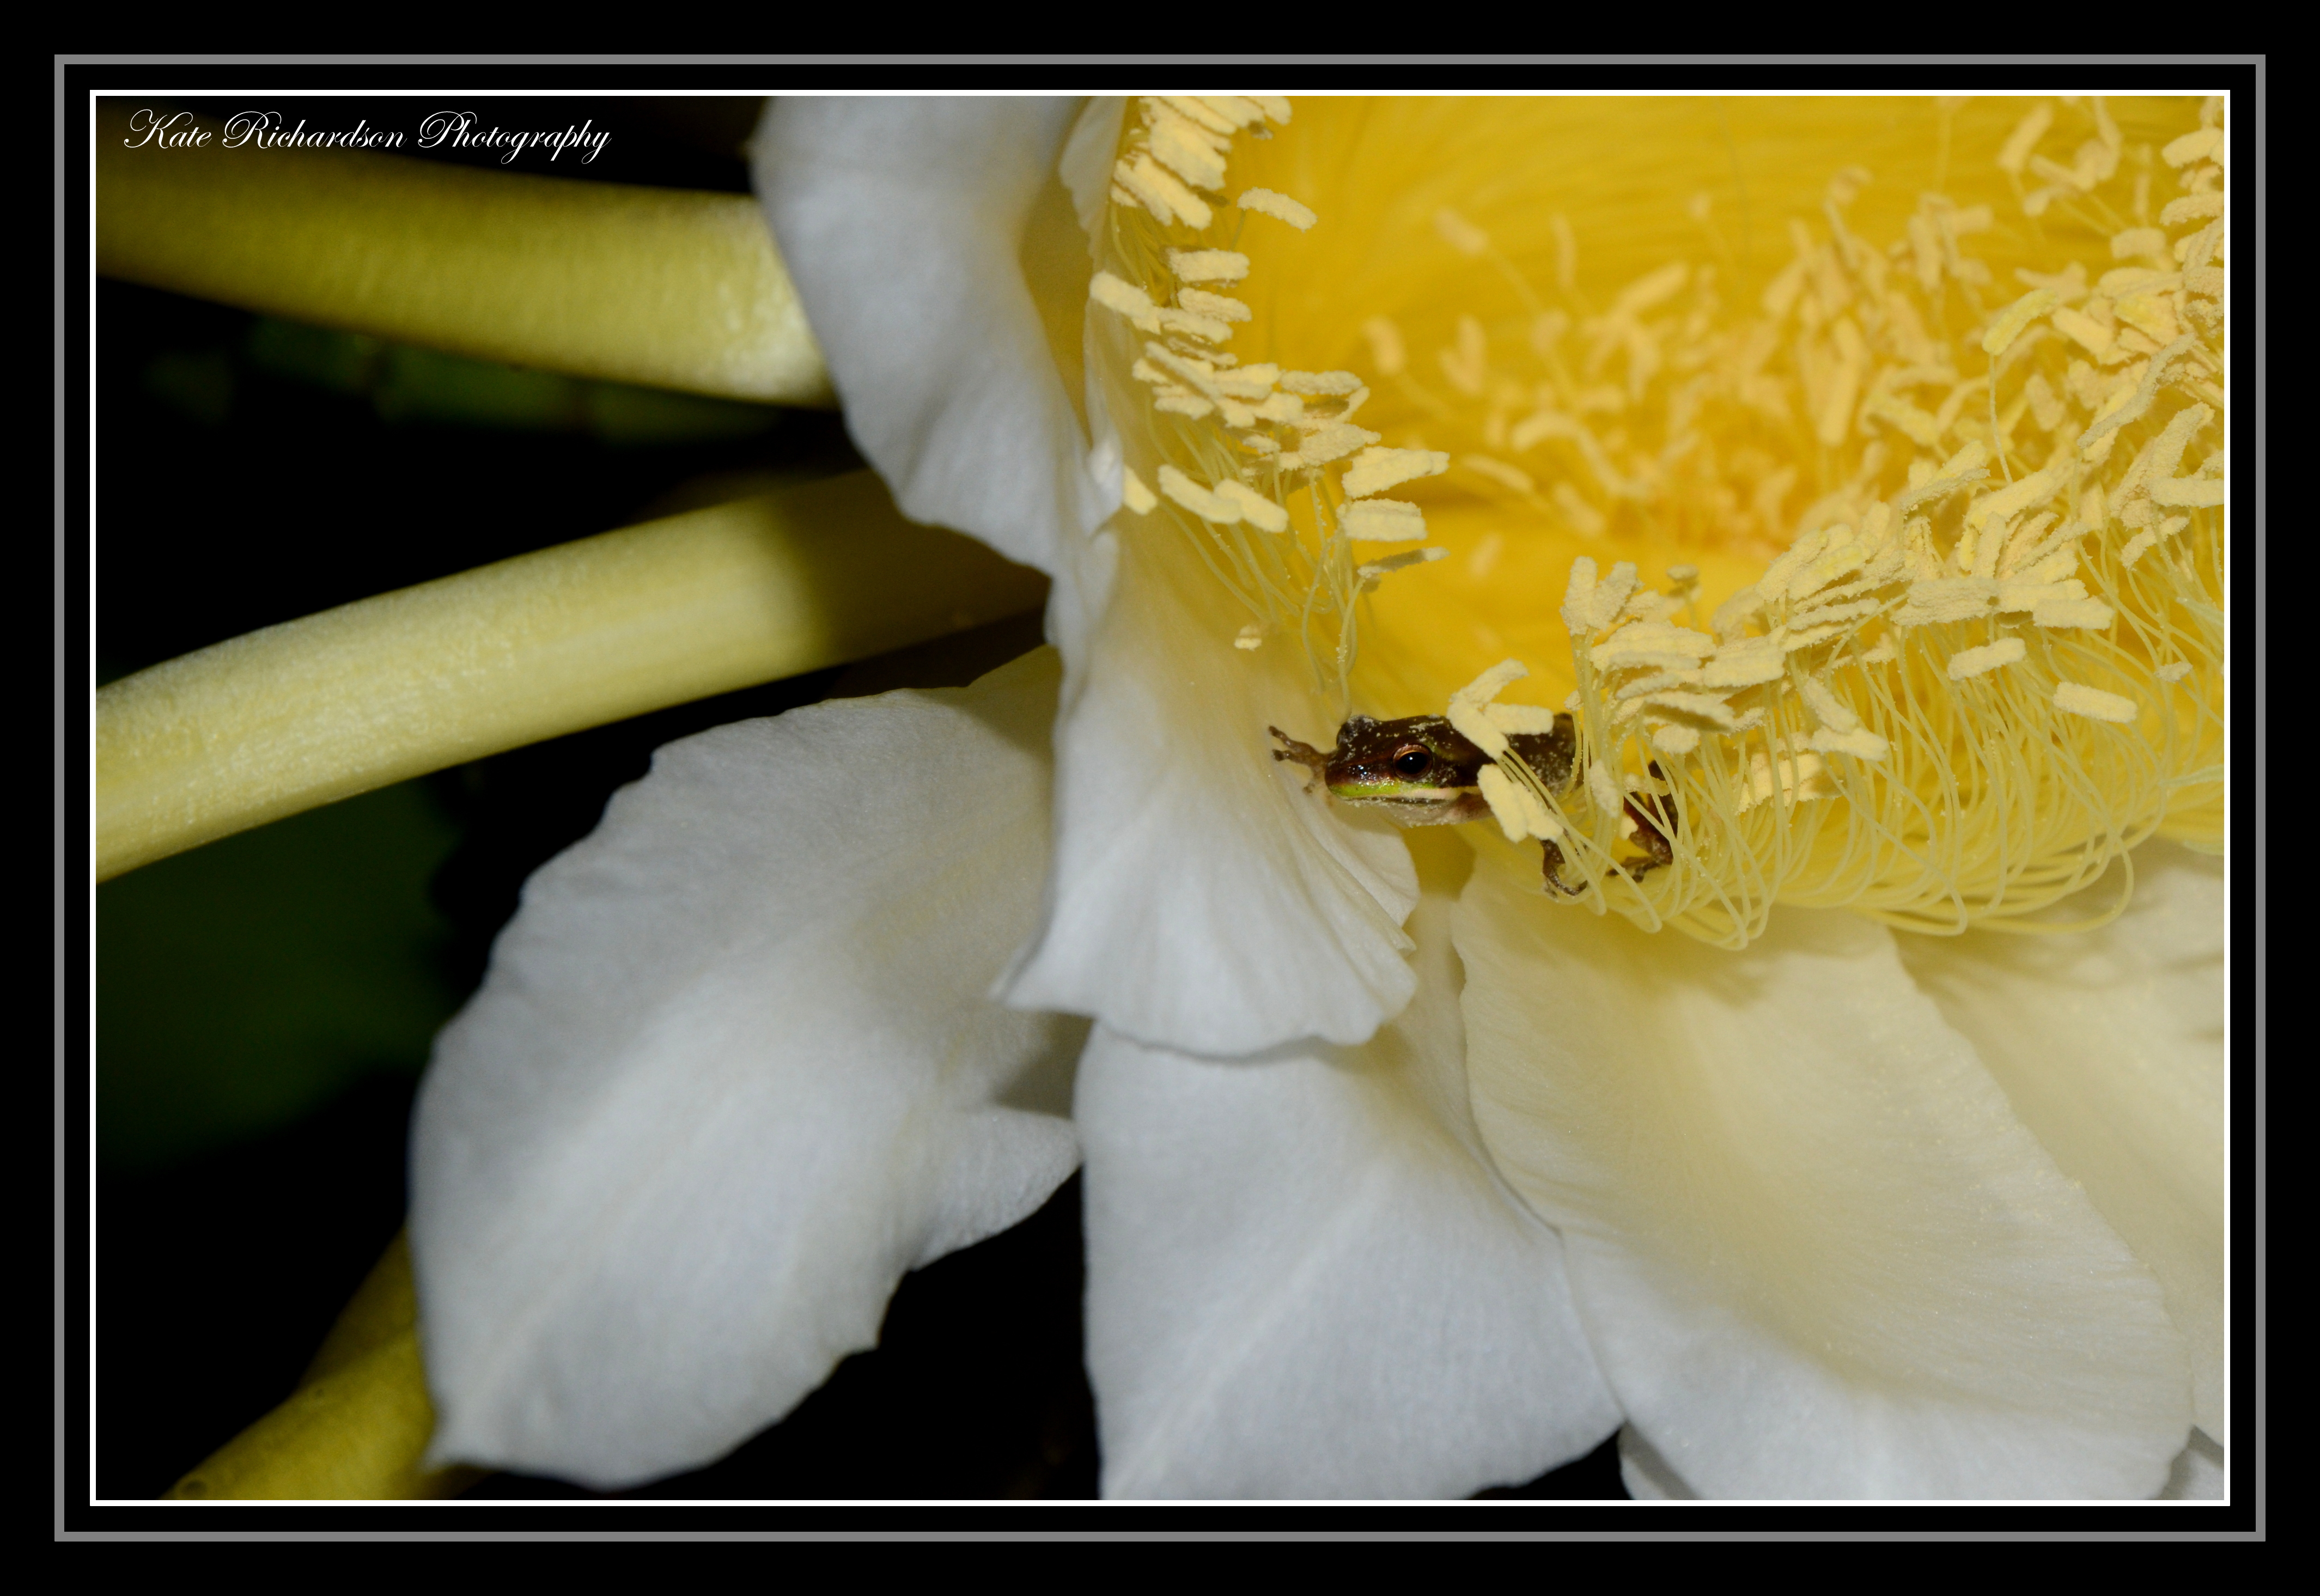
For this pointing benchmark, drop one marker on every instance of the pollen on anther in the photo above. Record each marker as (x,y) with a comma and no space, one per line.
(2076,698)
(1118,294)
(1383,521)
(1208,266)
(1379,470)
(1320,384)
(1161,191)
(1974,662)
(1254,508)
(1377,569)
(1199,501)
(1265,202)
(1517,810)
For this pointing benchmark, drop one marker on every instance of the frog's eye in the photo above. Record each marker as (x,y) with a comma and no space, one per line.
(1411,760)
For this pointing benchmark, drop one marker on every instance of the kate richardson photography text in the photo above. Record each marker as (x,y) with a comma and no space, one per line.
(447,130)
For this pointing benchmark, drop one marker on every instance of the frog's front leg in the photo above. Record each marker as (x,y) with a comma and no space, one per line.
(1551,866)
(1301,753)
(1648,836)
(1654,820)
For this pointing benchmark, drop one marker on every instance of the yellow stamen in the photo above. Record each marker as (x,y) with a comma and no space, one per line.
(1947,489)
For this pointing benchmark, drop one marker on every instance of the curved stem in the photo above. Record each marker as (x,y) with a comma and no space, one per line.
(355,698)
(657,287)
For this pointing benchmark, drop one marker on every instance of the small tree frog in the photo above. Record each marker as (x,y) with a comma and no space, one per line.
(1423,772)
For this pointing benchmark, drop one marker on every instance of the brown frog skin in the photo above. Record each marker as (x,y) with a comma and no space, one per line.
(1423,772)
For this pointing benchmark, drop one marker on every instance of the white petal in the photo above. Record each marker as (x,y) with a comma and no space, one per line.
(1196,905)
(902,223)
(2198,1473)
(1814,1251)
(2110,1047)
(733,1073)
(1646,1474)
(1202,899)
(1085,163)
(1303,1280)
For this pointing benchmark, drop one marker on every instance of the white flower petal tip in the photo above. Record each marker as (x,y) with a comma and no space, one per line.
(733,1073)
(2198,1472)
(2110,1045)
(1303,1279)
(1646,1474)
(1086,163)
(1817,1254)
(905,224)
(1201,901)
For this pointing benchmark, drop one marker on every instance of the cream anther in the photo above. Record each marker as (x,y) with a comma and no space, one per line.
(1383,521)
(1178,145)
(1254,508)
(1118,294)
(1860,742)
(1237,110)
(1652,643)
(1974,662)
(1161,193)
(1826,707)
(1208,266)
(2075,698)
(1590,605)
(1201,113)
(1799,780)
(1604,788)
(1379,470)
(2008,323)
(1210,507)
(1335,441)
(1135,495)
(1517,810)
(2191,147)
(1320,384)
(1375,569)
(1946,599)
(1279,207)
(1216,306)
(1747,662)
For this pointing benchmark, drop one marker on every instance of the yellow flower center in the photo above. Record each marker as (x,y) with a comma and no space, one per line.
(1851,472)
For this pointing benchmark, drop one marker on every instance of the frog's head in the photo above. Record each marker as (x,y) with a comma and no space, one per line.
(1418,772)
